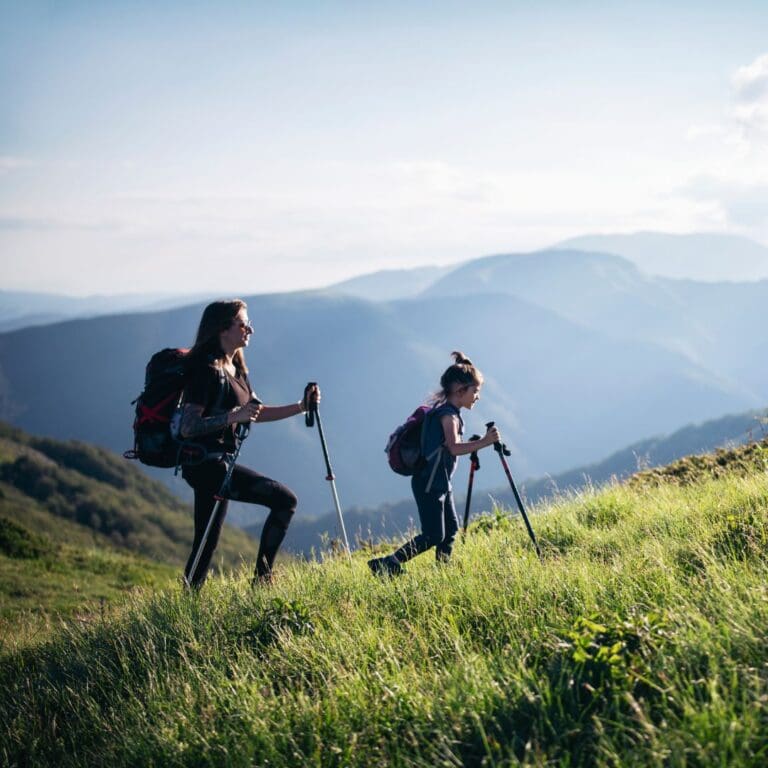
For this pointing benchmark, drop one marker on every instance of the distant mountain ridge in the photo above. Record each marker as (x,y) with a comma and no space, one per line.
(391,284)
(708,257)
(712,324)
(22,309)
(546,380)
(583,353)
(703,257)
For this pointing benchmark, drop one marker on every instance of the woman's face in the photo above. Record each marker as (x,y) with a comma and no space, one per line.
(238,333)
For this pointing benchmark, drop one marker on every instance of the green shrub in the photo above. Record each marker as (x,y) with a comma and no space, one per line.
(18,542)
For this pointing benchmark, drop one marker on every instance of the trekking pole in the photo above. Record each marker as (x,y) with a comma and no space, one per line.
(503,451)
(473,467)
(240,434)
(312,413)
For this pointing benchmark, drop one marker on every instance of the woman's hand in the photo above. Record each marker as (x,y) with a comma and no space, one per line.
(245,413)
(491,436)
(310,397)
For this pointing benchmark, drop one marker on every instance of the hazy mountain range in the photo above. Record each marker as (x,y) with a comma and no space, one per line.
(703,257)
(21,309)
(583,355)
(708,257)
(390,284)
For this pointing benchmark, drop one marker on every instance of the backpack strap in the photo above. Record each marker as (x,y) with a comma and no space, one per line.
(224,386)
(438,453)
(435,455)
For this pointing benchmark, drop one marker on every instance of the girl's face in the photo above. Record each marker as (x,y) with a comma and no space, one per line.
(238,333)
(468,396)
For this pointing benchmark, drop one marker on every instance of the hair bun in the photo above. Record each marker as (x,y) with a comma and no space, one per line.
(460,358)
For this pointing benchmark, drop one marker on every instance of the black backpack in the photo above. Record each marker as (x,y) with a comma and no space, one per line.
(155,426)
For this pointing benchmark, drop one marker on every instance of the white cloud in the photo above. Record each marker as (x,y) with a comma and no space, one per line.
(744,125)
(753,119)
(697,132)
(731,177)
(443,179)
(750,113)
(10,163)
(751,81)
(745,205)
(41,224)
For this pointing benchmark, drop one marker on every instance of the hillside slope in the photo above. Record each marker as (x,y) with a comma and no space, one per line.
(638,640)
(79,527)
(396,518)
(44,583)
(77,493)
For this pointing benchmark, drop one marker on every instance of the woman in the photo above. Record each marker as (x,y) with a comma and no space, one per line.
(218,397)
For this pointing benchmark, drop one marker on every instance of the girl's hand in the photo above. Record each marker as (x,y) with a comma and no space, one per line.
(491,436)
(245,413)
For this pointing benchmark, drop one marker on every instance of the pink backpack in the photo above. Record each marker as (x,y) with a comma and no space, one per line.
(404,445)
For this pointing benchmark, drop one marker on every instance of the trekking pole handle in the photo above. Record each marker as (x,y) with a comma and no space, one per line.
(473,457)
(499,447)
(311,405)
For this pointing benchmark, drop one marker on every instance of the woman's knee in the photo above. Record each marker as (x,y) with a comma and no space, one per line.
(286,499)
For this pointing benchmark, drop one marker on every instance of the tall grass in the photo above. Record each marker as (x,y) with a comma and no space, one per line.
(639,640)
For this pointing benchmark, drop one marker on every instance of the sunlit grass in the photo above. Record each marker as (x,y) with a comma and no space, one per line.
(640,639)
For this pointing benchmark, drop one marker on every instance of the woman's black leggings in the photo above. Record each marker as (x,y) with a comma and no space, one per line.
(245,485)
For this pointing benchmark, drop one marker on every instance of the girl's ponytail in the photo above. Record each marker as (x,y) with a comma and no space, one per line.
(460,358)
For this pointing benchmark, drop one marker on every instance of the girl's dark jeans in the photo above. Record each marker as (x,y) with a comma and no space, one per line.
(439,523)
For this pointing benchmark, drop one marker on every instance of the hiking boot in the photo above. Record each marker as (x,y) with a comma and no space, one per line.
(261,580)
(386,566)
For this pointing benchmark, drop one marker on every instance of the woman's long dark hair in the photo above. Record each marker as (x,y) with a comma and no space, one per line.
(462,372)
(217,317)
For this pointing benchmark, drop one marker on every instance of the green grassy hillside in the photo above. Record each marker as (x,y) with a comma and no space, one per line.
(44,583)
(47,483)
(639,640)
(79,525)
(386,520)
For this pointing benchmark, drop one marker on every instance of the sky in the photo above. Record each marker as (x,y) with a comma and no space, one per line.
(252,147)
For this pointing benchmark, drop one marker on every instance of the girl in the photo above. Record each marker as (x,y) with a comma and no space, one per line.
(217,397)
(441,445)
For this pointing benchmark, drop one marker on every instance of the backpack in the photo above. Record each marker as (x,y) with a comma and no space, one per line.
(156,440)
(403,448)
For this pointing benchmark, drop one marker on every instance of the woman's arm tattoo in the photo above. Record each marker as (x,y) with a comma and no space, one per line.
(194,424)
